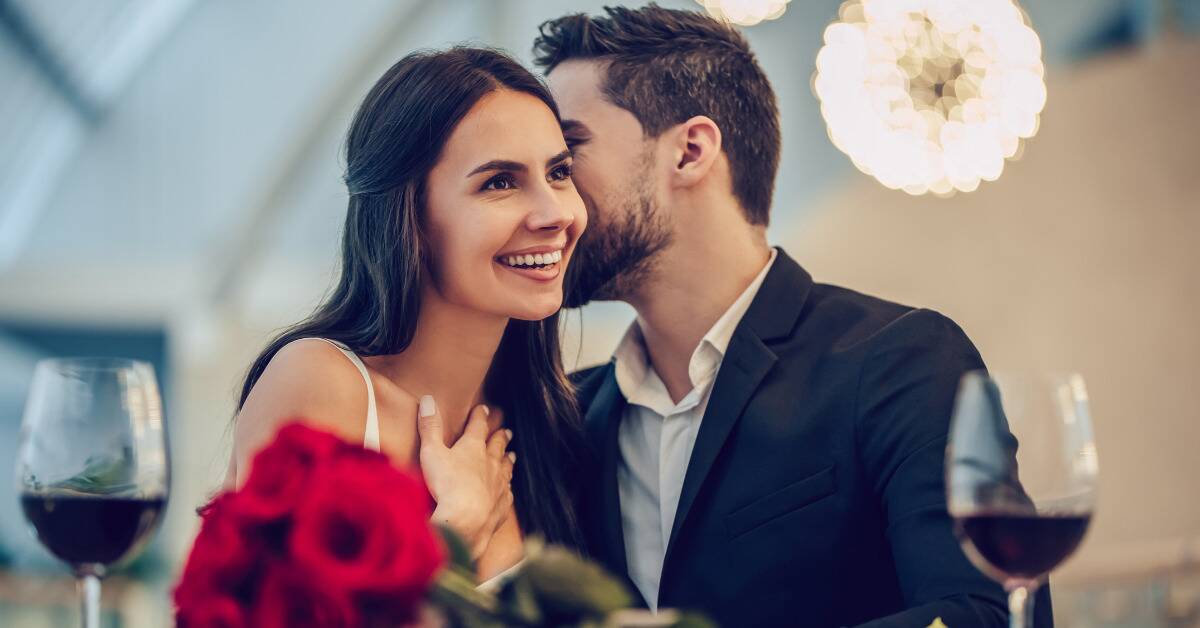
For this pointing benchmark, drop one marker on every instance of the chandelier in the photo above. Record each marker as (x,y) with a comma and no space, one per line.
(745,12)
(930,95)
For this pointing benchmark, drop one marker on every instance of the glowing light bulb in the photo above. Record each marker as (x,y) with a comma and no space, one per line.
(930,95)
(745,12)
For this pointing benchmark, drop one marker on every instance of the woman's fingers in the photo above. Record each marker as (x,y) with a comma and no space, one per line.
(495,419)
(507,465)
(498,443)
(477,424)
(429,425)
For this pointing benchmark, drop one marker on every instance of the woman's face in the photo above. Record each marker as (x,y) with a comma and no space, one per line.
(502,213)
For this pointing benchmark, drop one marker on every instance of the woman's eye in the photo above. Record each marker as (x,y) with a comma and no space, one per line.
(561,173)
(500,182)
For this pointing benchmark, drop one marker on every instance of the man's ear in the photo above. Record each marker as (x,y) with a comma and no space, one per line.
(697,146)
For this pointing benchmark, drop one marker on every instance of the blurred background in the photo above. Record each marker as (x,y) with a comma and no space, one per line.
(170,191)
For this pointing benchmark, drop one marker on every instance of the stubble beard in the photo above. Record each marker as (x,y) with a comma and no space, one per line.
(620,249)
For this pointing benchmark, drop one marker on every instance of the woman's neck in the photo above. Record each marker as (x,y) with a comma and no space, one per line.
(449,357)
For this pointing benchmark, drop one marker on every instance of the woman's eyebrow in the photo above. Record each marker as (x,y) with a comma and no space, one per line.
(561,157)
(508,165)
(498,164)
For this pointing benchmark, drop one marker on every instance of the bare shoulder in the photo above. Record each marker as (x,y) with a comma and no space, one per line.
(309,380)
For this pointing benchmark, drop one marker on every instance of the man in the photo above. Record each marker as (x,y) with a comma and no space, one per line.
(769,449)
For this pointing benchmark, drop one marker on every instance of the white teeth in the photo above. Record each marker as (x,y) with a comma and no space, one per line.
(537,259)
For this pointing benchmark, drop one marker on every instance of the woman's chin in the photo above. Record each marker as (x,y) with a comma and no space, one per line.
(536,312)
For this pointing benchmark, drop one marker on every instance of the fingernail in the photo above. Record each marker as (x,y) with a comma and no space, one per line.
(512,457)
(508,433)
(428,407)
(486,411)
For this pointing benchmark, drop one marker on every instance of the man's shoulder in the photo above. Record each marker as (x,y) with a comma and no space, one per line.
(844,300)
(854,318)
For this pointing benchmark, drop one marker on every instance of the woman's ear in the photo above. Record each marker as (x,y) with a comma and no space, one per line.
(697,145)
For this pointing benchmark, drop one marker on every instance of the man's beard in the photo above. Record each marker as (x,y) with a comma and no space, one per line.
(618,250)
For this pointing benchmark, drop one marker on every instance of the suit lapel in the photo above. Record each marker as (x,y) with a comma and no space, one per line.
(773,315)
(747,361)
(603,419)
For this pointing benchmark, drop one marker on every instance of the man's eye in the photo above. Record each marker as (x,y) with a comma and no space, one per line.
(500,182)
(561,172)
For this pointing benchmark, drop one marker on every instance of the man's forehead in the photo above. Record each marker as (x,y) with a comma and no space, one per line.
(576,81)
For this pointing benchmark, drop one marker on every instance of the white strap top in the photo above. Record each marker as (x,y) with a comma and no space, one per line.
(371,437)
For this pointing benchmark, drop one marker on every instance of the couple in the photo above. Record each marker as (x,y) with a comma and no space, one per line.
(762,448)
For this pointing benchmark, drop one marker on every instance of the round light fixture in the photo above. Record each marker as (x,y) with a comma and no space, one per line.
(745,12)
(930,95)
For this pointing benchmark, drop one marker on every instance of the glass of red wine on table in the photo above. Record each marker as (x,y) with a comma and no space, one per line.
(92,466)
(1021,477)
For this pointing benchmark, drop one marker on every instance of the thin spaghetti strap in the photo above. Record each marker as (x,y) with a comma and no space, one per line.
(371,437)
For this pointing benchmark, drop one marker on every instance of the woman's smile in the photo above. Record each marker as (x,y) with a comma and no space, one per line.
(541,264)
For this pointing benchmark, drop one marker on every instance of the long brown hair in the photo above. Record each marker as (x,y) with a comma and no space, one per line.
(393,143)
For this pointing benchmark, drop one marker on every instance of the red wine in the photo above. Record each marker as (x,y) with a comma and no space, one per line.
(1024,546)
(84,530)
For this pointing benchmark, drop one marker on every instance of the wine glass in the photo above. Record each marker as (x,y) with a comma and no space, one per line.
(92,466)
(1020,511)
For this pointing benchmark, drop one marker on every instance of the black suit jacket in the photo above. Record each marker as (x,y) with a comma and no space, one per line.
(815,493)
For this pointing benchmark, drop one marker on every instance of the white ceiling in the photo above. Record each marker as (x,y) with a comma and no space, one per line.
(210,172)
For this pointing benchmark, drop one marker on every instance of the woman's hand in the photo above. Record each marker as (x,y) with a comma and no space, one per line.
(471,481)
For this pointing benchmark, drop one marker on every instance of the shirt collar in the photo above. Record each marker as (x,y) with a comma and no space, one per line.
(633,366)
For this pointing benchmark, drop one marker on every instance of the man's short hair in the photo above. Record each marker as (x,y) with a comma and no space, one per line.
(665,66)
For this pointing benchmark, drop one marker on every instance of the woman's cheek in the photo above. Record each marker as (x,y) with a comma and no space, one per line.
(581,218)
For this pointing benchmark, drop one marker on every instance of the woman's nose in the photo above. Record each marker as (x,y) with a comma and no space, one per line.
(550,213)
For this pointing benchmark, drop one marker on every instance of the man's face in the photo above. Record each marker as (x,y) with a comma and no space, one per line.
(615,172)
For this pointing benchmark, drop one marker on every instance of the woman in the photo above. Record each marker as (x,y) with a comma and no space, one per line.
(443,324)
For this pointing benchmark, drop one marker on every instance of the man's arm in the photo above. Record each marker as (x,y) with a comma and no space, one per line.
(905,401)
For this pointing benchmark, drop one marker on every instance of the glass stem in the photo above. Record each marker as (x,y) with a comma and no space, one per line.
(88,584)
(1020,607)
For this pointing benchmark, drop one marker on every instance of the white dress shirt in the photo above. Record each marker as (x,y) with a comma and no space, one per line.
(656,437)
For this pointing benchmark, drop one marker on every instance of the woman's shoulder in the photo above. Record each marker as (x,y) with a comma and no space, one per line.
(309,380)
(312,369)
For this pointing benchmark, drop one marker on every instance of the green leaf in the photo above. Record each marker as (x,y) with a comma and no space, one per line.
(519,601)
(554,587)
(569,585)
(456,589)
(460,554)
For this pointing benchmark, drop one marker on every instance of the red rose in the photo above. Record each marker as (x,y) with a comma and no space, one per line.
(280,472)
(224,556)
(216,612)
(291,598)
(364,527)
(324,533)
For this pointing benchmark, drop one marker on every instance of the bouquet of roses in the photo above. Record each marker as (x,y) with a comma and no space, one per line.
(327,533)
(323,533)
